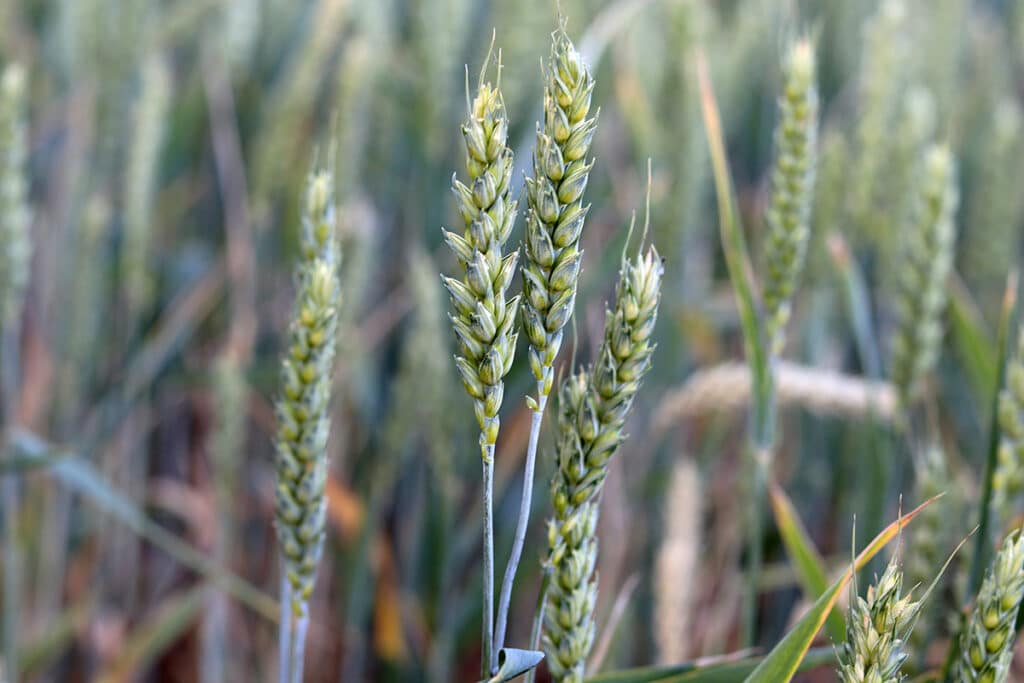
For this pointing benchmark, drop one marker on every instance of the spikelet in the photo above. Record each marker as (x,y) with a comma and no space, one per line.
(14,211)
(876,630)
(792,188)
(928,538)
(555,219)
(484,320)
(986,643)
(992,238)
(592,412)
(1008,478)
(302,409)
(678,561)
(140,184)
(883,58)
(926,258)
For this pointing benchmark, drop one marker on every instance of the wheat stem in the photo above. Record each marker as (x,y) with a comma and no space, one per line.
(487,614)
(284,628)
(522,523)
(299,644)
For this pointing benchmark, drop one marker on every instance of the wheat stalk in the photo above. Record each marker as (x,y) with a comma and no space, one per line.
(986,643)
(876,629)
(484,321)
(792,189)
(592,411)
(303,417)
(925,262)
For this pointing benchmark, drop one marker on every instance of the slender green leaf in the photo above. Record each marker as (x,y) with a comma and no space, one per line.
(726,669)
(784,660)
(971,338)
(807,562)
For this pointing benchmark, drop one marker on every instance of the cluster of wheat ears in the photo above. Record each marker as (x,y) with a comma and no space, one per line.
(944,605)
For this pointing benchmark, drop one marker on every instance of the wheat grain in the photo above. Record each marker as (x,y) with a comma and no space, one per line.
(556,215)
(792,189)
(876,629)
(592,412)
(925,262)
(986,643)
(677,562)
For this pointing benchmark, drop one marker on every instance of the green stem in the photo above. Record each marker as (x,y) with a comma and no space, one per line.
(487,614)
(538,617)
(11,554)
(284,629)
(521,525)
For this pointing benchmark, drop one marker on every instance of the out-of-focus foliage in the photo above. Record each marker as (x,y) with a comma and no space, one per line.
(167,147)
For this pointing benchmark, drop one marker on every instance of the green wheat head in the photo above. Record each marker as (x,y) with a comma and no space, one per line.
(555,194)
(483,319)
(592,412)
(302,409)
(986,644)
(792,188)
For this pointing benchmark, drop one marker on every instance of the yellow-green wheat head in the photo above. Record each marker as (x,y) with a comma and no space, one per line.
(484,321)
(302,408)
(555,194)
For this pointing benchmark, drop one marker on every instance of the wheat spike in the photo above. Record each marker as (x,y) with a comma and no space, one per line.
(556,215)
(876,629)
(592,412)
(792,188)
(302,409)
(986,643)
(926,258)
(1008,478)
(14,209)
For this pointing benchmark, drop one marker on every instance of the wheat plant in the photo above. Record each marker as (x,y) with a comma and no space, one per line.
(483,319)
(551,269)
(592,413)
(303,419)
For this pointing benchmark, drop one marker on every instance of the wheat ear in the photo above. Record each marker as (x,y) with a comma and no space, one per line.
(484,321)
(592,412)
(876,630)
(1008,478)
(926,258)
(986,643)
(792,189)
(303,414)
(552,265)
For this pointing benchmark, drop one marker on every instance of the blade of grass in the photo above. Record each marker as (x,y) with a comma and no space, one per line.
(809,565)
(783,661)
(762,416)
(971,338)
(725,669)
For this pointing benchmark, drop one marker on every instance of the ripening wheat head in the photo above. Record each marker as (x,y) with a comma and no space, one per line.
(592,412)
(925,262)
(792,188)
(1008,478)
(483,319)
(876,629)
(986,643)
(556,215)
(302,408)
(14,212)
